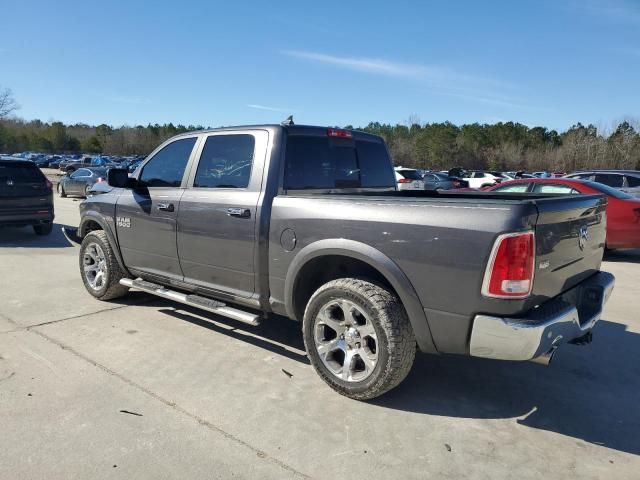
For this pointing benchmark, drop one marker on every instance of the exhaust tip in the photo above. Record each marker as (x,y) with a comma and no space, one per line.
(545,358)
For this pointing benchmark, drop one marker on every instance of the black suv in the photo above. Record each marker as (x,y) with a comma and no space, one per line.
(26,196)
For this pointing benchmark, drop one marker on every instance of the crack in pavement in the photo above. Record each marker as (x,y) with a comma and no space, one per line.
(172,405)
(50,322)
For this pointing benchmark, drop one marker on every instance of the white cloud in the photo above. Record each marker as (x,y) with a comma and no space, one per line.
(433,74)
(440,80)
(270,109)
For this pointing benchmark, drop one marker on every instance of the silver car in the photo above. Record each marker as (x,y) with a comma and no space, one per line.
(623,180)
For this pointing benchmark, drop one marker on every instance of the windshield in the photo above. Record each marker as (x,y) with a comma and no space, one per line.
(601,187)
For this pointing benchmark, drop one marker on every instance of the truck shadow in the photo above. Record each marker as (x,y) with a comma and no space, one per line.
(280,336)
(590,393)
(14,237)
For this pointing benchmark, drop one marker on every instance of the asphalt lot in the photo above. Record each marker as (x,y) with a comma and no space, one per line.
(143,388)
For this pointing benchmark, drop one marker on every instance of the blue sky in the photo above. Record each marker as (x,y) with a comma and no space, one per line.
(543,62)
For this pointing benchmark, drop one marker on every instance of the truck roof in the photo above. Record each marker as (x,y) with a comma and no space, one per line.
(291,129)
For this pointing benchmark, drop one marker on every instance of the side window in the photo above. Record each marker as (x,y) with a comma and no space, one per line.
(610,179)
(553,188)
(226,162)
(633,181)
(514,187)
(81,172)
(166,168)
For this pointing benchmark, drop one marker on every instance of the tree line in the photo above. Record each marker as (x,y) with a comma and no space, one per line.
(500,146)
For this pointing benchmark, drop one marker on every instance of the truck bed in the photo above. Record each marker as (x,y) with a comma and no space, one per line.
(443,241)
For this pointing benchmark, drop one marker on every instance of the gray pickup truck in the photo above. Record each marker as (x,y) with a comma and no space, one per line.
(257,222)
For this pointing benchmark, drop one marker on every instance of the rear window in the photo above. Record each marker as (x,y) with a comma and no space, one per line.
(611,179)
(410,174)
(318,162)
(633,181)
(19,173)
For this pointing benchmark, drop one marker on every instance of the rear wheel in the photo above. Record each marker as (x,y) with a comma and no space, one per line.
(61,191)
(43,229)
(99,267)
(358,338)
(87,191)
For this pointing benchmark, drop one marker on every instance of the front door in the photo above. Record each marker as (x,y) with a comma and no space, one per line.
(146,216)
(217,216)
(77,181)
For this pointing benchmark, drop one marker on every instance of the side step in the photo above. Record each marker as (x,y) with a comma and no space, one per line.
(193,300)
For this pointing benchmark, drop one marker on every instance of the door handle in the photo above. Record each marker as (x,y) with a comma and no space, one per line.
(166,207)
(239,212)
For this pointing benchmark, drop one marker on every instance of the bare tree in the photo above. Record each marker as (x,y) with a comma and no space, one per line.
(7,103)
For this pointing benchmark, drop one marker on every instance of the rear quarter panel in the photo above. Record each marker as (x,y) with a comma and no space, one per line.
(441,246)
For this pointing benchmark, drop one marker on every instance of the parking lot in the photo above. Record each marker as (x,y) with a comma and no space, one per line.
(141,387)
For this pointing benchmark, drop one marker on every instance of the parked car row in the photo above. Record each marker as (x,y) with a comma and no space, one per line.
(414,179)
(70,163)
(623,209)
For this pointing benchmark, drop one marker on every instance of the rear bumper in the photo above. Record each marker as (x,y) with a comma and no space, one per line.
(26,218)
(562,319)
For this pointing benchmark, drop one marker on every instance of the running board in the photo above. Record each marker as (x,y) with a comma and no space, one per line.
(193,300)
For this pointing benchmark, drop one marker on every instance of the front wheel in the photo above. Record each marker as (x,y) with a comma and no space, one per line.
(358,338)
(61,191)
(99,267)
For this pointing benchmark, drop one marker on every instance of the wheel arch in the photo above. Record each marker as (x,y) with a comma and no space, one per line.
(321,262)
(92,221)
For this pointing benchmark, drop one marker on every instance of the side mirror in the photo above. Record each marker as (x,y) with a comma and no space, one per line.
(119,178)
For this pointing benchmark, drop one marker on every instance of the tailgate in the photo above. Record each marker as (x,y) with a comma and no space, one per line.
(570,239)
(22,188)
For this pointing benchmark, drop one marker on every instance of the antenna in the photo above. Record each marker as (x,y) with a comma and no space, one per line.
(288,121)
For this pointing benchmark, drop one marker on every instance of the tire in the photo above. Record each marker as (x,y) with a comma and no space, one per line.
(43,229)
(96,251)
(61,192)
(86,191)
(380,330)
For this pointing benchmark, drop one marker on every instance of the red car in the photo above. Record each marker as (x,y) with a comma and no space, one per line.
(623,210)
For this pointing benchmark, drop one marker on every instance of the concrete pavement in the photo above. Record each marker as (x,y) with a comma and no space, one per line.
(164,391)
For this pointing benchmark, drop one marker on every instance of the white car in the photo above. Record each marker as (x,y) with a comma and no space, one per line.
(408,179)
(479,179)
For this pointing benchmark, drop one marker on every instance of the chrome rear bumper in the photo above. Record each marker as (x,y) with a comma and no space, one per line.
(543,329)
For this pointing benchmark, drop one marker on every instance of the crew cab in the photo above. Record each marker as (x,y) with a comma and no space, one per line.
(258,222)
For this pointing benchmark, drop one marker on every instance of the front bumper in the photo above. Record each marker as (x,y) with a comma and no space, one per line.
(564,318)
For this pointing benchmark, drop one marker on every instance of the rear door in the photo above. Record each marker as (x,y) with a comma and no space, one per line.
(77,181)
(146,217)
(217,216)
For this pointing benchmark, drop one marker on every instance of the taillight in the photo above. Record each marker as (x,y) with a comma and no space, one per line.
(339,132)
(100,180)
(456,184)
(405,180)
(509,273)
